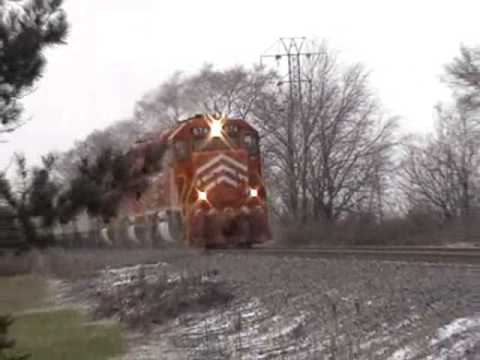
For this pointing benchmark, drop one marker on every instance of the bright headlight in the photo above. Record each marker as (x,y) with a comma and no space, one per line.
(216,128)
(253,192)
(202,195)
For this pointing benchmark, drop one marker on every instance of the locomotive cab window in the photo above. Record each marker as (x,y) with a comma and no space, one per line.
(200,132)
(231,130)
(250,142)
(182,150)
(200,135)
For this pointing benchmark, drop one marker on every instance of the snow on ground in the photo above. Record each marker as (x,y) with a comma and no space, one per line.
(288,308)
(457,340)
(127,275)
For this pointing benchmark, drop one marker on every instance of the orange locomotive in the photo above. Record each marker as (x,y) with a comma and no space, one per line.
(205,189)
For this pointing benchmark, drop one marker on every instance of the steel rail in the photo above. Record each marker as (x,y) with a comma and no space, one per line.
(436,254)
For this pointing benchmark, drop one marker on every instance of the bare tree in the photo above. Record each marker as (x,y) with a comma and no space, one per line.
(427,177)
(231,91)
(329,155)
(164,105)
(117,137)
(441,172)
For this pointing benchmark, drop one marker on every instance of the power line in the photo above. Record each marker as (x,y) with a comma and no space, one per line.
(294,50)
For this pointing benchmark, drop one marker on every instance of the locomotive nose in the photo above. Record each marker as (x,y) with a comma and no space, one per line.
(221,173)
(231,222)
(230,227)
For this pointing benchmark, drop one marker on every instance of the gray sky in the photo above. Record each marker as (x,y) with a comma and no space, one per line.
(120,49)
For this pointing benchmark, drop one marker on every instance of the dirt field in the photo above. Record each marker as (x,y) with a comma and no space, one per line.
(200,306)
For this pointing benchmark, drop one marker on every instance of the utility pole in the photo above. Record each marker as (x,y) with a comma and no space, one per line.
(292,49)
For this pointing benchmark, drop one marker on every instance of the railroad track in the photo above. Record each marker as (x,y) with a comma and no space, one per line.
(417,254)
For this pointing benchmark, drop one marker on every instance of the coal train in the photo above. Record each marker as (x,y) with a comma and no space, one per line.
(203,187)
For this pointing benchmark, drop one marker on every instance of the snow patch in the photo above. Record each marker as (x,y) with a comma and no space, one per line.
(452,341)
(112,278)
(457,327)
(455,340)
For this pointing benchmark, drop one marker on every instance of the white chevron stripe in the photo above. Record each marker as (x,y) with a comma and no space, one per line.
(243,167)
(219,158)
(221,179)
(222,169)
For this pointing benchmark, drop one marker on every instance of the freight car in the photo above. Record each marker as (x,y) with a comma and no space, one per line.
(201,184)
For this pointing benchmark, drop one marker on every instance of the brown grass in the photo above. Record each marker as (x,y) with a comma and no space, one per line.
(78,263)
(418,230)
(141,303)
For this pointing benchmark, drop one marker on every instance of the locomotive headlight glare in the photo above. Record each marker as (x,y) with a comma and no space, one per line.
(216,128)
(202,195)
(253,193)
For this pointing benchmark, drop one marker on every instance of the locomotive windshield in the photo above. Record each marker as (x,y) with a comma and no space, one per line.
(231,137)
(250,142)
(216,135)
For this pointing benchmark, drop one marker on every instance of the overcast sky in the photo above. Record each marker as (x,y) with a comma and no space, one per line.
(119,49)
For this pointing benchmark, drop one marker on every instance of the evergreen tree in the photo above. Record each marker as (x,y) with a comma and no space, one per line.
(463,75)
(101,182)
(32,198)
(26,28)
